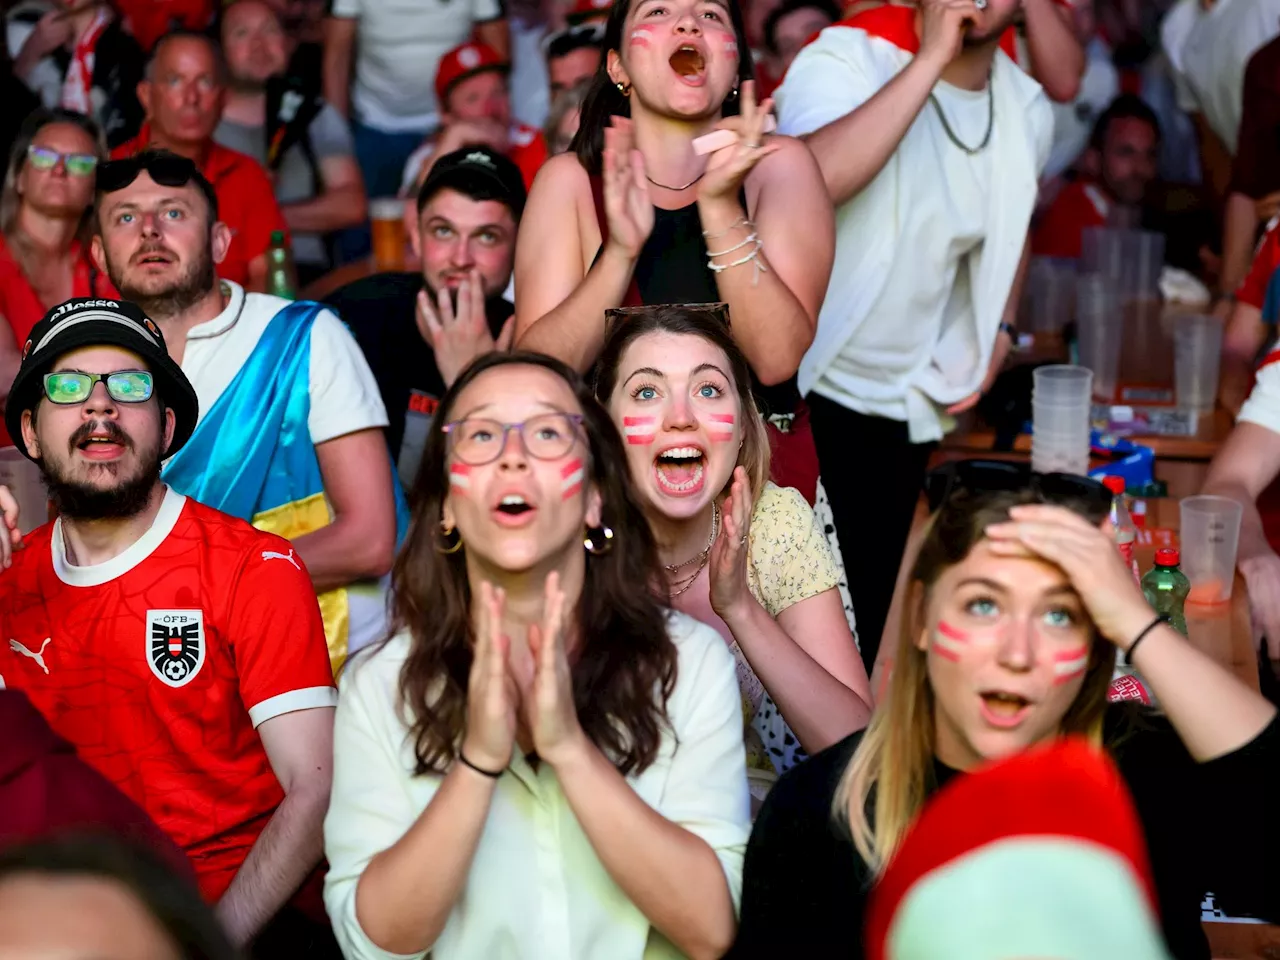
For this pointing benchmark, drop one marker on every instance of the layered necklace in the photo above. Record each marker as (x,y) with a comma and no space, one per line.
(678,584)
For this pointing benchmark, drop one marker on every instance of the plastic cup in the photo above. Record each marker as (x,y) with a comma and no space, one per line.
(1144,264)
(1099,326)
(386,215)
(1103,252)
(1197,341)
(1210,535)
(1062,385)
(1055,460)
(22,477)
(1052,294)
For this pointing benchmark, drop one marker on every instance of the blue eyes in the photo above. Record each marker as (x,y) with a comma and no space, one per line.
(708,392)
(646,393)
(984,607)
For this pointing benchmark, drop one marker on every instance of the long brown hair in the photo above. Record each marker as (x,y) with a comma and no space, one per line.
(11,202)
(626,669)
(604,100)
(891,769)
(710,321)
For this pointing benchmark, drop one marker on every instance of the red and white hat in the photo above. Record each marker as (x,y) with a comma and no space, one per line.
(466,61)
(583,10)
(1038,855)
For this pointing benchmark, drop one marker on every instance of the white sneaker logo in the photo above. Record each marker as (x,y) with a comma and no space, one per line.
(272,555)
(17,647)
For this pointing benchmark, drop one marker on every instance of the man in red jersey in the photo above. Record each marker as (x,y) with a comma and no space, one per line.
(178,649)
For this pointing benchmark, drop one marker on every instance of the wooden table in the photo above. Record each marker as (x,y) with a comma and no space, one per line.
(1223,632)
(347,273)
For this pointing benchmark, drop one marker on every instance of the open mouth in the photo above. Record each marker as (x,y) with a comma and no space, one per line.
(688,62)
(153,257)
(514,506)
(680,470)
(1004,709)
(101,446)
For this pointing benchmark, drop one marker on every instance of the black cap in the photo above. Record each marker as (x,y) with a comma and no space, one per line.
(90,322)
(478,172)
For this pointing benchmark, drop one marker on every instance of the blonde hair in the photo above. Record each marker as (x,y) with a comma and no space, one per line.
(710,321)
(894,760)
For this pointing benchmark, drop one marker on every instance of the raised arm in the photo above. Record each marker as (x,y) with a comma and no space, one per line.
(560,305)
(339,44)
(1057,58)
(853,149)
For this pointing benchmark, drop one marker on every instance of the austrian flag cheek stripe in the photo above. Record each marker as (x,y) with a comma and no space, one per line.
(459,476)
(1069,665)
(570,479)
(722,430)
(639,429)
(948,642)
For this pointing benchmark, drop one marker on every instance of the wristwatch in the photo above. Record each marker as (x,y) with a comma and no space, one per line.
(1011,330)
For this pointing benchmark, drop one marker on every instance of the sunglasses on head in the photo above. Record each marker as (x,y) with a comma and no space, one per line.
(995,476)
(167,170)
(124,386)
(77,164)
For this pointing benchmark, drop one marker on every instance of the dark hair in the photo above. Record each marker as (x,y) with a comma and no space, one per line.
(709,321)
(627,667)
(825,7)
(604,100)
(163,166)
(171,901)
(1127,106)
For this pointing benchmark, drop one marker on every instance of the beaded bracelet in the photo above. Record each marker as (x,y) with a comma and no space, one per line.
(1128,654)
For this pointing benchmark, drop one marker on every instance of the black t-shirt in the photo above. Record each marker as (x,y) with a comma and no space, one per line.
(380,311)
(1209,826)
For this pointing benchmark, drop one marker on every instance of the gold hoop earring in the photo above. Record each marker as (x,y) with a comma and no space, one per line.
(442,545)
(606,541)
(623,88)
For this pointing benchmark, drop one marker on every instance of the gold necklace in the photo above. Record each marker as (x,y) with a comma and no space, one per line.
(701,559)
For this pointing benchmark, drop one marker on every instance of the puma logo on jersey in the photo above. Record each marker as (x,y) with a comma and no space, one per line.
(272,555)
(17,647)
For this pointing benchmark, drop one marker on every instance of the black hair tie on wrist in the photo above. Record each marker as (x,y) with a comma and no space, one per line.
(1128,654)
(491,774)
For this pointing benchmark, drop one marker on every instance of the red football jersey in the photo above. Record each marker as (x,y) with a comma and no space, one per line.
(159,665)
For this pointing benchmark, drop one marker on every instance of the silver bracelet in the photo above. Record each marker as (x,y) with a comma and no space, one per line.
(740,222)
(752,257)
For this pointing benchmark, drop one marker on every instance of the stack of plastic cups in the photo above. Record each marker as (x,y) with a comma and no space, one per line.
(1060,404)
(1197,351)
(1099,324)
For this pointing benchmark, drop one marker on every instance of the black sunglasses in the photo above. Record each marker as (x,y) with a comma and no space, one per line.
(168,170)
(992,476)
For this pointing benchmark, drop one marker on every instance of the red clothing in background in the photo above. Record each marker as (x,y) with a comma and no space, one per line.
(528,151)
(149,20)
(246,202)
(1256,171)
(1253,290)
(21,308)
(1077,207)
(46,789)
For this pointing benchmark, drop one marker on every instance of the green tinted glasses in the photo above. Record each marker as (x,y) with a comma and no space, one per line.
(78,164)
(126,386)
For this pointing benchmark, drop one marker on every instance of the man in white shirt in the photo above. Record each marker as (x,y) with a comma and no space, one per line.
(931,142)
(1245,466)
(291,423)
(395,49)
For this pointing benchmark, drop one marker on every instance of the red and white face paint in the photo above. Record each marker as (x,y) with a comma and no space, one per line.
(720,427)
(731,46)
(641,37)
(639,430)
(1070,664)
(571,475)
(459,477)
(949,642)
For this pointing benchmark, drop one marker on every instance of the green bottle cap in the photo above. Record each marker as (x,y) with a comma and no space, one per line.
(277,238)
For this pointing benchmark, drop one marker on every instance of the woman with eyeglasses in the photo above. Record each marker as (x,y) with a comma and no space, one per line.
(543,760)
(636,215)
(738,552)
(1019,605)
(46,213)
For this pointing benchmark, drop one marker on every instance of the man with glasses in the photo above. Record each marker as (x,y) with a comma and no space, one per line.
(290,435)
(180,650)
(183,95)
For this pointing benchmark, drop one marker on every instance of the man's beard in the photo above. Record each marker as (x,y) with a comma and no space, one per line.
(84,501)
(992,34)
(180,296)
(490,298)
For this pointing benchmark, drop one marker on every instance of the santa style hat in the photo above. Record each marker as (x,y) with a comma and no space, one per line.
(1040,855)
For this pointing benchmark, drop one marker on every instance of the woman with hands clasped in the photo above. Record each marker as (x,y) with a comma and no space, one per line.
(739,553)
(1019,605)
(635,215)
(543,761)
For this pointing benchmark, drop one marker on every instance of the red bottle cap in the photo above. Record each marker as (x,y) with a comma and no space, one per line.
(1113,483)
(1167,557)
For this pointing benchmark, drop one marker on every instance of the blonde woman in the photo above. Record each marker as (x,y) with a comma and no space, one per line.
(1019,605)
(739,553)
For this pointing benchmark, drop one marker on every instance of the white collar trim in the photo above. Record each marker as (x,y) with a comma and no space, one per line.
(100,573)
(226,319)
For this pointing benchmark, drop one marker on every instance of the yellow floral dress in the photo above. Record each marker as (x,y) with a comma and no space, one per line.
(790,560)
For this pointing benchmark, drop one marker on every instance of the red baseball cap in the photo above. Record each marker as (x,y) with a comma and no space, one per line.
(466,61)
(586,9)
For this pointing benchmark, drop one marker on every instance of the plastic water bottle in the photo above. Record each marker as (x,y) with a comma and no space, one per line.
(282,279)
(1126,533)
(1166,588)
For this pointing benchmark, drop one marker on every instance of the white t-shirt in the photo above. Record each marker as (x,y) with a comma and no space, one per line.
(399,44)
(1073,122)
(1214,56)
(536,887)
(927,252)
(344,399)
(1263,405)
